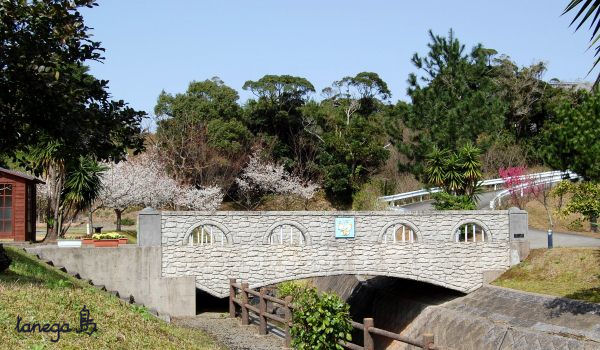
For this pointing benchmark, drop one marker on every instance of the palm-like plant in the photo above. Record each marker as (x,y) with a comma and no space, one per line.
(82,186)
(469,156)
(458,173)
(435,167)
(454,178)
(588,8)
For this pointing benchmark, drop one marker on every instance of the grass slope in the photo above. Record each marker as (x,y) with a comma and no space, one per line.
(39,293)
(567,272)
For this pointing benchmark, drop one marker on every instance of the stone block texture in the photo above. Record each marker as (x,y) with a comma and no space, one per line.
(245,253)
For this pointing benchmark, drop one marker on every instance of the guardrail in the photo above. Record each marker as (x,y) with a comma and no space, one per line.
(368,327)
(568,175)
(425,193)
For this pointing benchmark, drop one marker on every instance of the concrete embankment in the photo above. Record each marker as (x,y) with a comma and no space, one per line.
(490,318)
(129,270)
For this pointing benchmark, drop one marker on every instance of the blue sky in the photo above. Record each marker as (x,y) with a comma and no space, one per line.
(154,45)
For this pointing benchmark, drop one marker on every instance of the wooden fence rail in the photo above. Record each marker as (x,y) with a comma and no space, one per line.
(261,310)
(368,325)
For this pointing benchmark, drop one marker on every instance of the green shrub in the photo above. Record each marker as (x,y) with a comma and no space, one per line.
(367,198)
(293,288)
(320,321)
(108,235)
(446,201)
(575,225)
(127,222)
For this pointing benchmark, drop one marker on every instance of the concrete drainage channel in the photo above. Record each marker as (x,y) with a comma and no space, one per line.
(125,299)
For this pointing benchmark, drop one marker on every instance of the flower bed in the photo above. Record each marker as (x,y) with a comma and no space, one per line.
(110,239)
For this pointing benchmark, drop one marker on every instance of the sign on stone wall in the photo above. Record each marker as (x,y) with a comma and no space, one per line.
(344,227)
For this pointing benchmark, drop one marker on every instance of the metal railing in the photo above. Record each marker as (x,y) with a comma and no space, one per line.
(368,325)
(535,181)
(425,193)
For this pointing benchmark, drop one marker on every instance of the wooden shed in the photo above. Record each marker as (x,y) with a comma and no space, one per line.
(17,205)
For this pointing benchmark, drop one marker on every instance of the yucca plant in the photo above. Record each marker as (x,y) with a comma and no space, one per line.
(457,173)
(470,158)
(81,188)
(435,167)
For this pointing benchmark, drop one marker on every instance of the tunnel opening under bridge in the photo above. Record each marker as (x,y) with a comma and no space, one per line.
(392,302)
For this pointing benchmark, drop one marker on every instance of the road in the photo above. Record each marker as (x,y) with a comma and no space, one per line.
(483,202)
(537,238)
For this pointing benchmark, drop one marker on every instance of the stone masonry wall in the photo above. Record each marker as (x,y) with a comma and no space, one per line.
(245,255)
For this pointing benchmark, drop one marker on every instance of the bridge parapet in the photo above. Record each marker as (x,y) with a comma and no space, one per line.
(454,249)
(252,228)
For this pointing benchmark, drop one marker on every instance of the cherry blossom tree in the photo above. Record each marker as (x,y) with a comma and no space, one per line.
(519,185)
(260,177)
(142,181)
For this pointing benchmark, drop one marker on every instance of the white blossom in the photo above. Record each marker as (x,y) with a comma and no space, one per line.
(142,181)
(259,176)
(208,198)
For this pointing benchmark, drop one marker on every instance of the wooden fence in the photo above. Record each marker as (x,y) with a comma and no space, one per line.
(367,327)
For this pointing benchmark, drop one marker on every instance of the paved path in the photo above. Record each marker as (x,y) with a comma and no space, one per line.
(230,332)
(539,239)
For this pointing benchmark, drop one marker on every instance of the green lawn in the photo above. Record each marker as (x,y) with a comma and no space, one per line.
(567,272)
(39,293)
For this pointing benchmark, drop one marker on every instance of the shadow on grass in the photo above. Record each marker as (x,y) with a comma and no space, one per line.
(579,302)
(25,269)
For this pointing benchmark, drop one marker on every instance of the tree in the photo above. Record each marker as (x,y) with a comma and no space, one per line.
(458,104)
(588,8)
(570,139)
(203,101)
(72,186)
(201,137)
(349,133)
(524,90)
(259,178)
(520,186)
(41,44)
(585,201)
(52,112)
(142,181)
(276,114)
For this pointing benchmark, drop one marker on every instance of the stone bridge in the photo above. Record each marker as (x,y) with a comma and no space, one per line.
(459,250)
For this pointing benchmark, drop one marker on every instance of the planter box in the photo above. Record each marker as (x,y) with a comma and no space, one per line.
(98,243)
(87,241)
(69,243)
(123,240)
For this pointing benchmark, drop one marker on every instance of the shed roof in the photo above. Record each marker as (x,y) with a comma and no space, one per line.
(21,175)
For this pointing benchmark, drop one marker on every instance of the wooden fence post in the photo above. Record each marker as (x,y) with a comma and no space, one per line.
(231,297)
(245,318)
(368,340)
(262,307)
(427,340)
(288,320)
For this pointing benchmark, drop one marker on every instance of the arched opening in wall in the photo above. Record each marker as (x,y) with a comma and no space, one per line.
(207,234)
(471,232)
(286,234)
(400,233)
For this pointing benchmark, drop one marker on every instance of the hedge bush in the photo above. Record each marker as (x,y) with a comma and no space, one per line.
(320,321)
